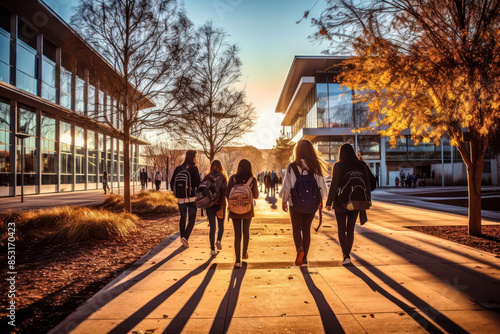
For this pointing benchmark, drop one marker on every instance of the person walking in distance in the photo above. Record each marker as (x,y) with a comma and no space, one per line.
(217,179)
(105,182)
(303,190)
(349,193)
(184,182)
(241,191)
(158,181)
(143,177)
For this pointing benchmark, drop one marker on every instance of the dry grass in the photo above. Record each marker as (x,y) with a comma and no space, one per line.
(146,202)
(73,224)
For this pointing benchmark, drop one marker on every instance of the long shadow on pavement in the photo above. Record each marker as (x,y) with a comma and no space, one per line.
(104,297)
(330,322)
(177,324)
(228,304)
(464,254)
(422,321)
(393,245)
(431,312)
(150,306)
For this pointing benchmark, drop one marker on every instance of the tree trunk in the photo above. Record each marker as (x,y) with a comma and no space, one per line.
(474,178)
(127,205)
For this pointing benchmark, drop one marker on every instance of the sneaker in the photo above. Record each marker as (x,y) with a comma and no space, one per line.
(184,242)
(299,258)
(218,244)
(237,265)
(304,262)
(347,261)
(212,252)
(245,257)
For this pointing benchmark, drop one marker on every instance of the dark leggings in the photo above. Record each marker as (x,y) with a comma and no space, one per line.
(188,212)
(241,226)
(212,216)
(301,226)
(346,222)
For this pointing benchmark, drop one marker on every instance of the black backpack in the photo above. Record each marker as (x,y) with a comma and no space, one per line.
(207,193)
(306,195)
(182,184)
(352,191)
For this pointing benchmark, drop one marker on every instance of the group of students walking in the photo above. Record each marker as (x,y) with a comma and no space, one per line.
(304,189)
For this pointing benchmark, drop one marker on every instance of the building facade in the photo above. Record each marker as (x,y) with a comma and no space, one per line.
(318,108)
(55,88)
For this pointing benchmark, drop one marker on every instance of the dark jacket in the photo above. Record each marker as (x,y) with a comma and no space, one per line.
(195,177)
(255,191)
(338,174)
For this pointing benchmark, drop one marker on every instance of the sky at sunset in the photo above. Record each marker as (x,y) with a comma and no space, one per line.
(268,37)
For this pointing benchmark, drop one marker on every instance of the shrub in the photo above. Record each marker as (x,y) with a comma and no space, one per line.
(73,224)
(156,202)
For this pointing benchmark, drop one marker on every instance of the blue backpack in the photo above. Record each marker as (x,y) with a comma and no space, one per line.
(306,195)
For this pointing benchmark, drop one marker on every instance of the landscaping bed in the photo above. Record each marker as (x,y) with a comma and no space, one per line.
(54,277)
(488,242)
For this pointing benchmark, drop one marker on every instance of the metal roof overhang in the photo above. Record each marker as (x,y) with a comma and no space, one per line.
(44,20)
(304,66)
(304,87)
(312,133)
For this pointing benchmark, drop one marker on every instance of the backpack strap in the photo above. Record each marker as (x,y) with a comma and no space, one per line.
(249,182)
(295,169)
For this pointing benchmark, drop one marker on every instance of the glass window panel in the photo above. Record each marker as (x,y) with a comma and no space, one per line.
(322,104)
(340,106)
(4,116)
(26,59)
(26,34)
(80,95)
(66,140)
(91,100)
(27,120)
(48,80)
(66,88)
(4,56)
(4,158)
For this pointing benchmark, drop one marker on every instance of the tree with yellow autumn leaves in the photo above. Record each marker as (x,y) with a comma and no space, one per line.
(429,66)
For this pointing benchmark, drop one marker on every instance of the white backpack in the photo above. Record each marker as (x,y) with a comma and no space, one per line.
(241,198)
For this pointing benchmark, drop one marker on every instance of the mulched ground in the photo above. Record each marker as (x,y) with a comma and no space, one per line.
(53,280)
(489,241)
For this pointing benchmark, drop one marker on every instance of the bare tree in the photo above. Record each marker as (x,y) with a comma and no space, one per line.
(428,66)
(213,112)
(147,42)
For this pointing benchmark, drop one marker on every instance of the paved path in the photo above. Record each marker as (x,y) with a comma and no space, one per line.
(401,281)
(80,198)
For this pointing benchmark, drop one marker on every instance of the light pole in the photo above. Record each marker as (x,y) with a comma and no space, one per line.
(22,135)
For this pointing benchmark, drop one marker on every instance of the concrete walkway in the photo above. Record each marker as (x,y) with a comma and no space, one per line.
(401,281)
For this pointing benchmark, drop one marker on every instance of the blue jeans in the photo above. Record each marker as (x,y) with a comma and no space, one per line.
(187,210)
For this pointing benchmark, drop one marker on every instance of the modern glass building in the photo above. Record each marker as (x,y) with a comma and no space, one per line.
(318,108)
(55,88)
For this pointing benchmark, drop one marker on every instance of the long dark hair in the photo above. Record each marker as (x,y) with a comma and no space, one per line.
(245,170)
(347,154)
(216,166)
(189,160)
(304,150)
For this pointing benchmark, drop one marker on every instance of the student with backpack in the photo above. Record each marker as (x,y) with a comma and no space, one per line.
(350,193)
(184,182)
(211,196)
(303,190)
(241,191)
